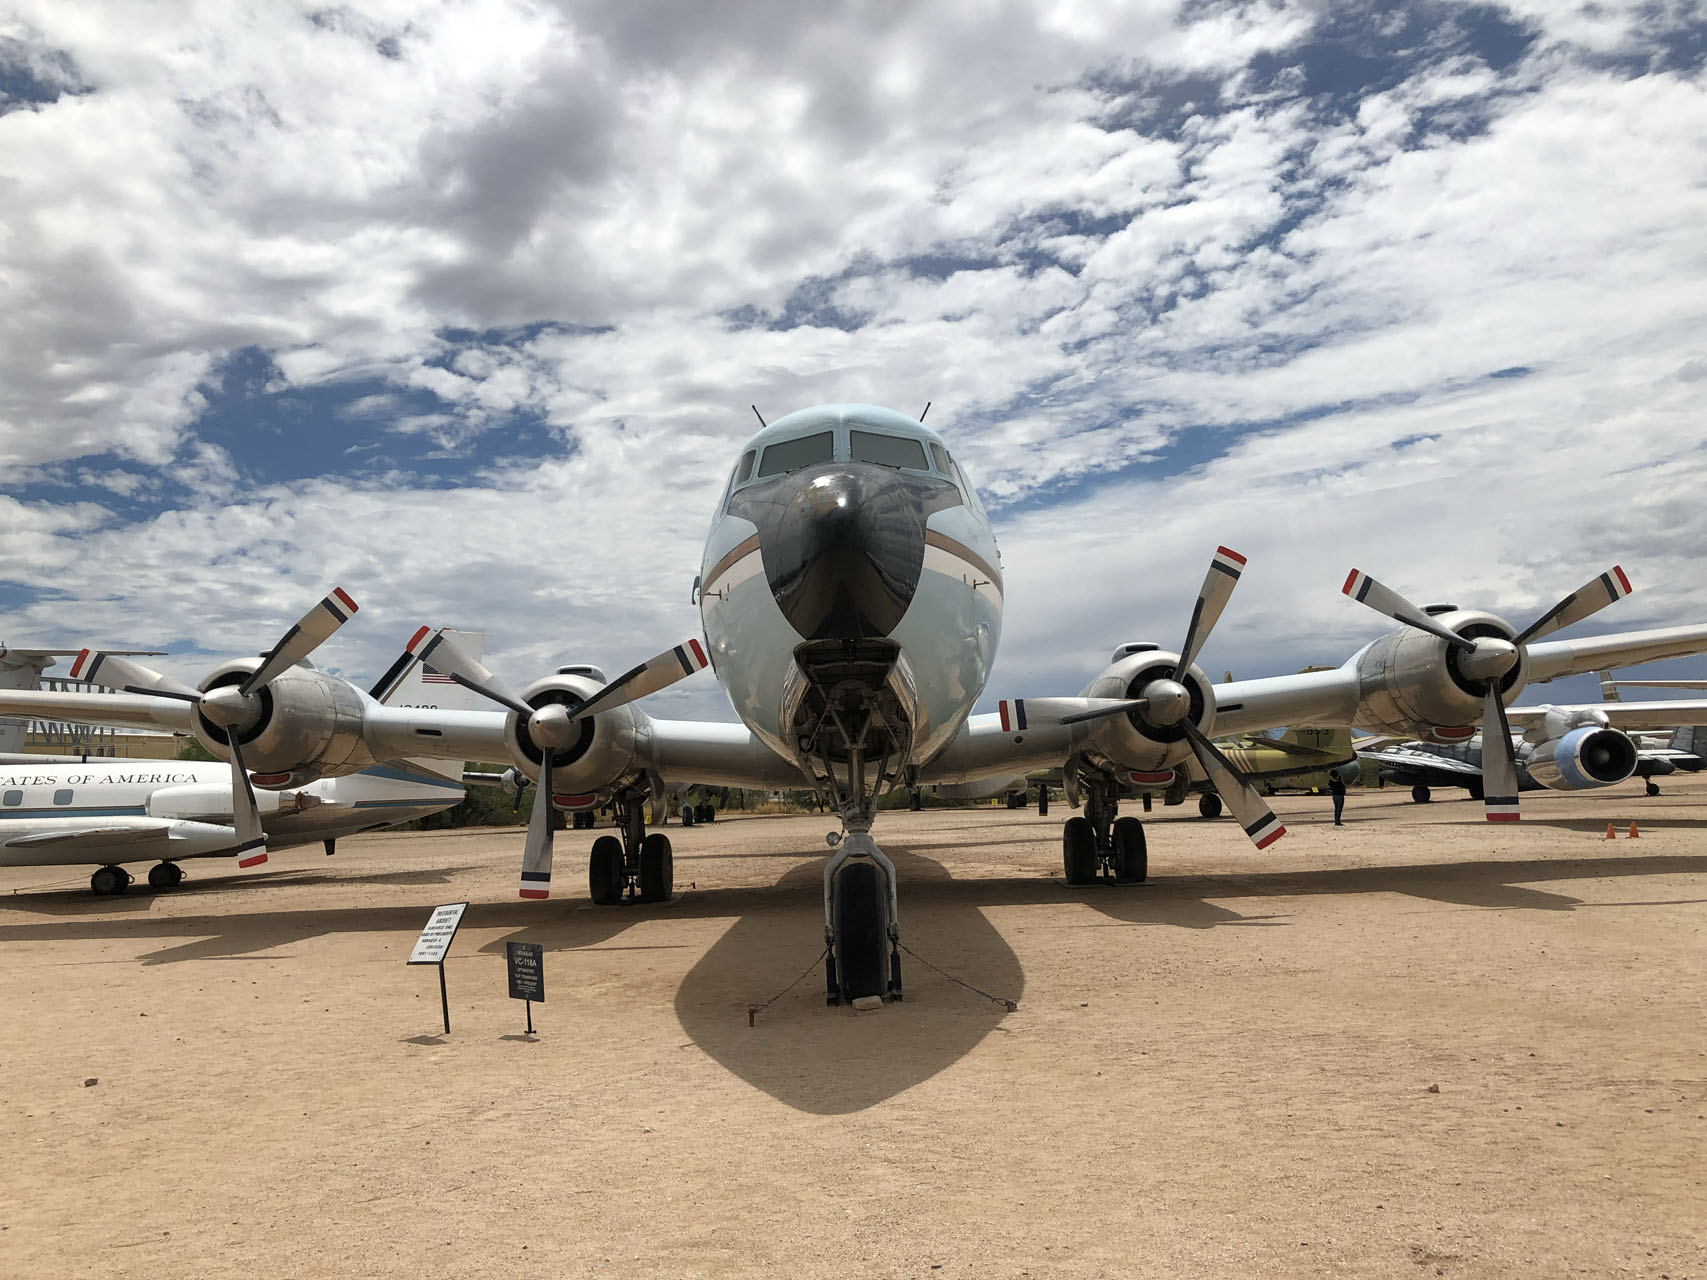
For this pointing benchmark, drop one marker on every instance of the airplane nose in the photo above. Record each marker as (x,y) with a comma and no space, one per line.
(845,555)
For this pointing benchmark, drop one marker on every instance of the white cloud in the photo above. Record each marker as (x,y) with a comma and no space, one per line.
(1078,297)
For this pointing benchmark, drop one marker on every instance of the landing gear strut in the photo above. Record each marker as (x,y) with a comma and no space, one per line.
(636,868)
(1100,843)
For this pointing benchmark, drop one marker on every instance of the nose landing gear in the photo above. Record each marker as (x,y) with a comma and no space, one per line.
(861,915)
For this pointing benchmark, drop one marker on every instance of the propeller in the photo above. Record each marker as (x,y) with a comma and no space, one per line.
(1487,660)
(1166,702)
(552,727)
(230,707)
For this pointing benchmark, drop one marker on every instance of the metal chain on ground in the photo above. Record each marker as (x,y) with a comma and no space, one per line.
(1012,1006)
(753,1010)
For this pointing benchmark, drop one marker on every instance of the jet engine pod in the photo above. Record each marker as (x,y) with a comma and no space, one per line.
(1583,759)
(304,724)
(1150,739)
(1410,682)
(592,753)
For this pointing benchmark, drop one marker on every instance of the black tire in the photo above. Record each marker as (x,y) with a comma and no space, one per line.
(1209,805)
(109,880)
(1131,851)
(165,875)
(1013,801)
(710,814)
(657,868)
(862,925)
(1653,788)
(1043,802)
(1475,790)
(1419,794)
(605,877)
(1078,851)
(687,815)
(915,801)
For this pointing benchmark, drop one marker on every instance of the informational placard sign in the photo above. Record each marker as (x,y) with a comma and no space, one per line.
(434,942)
(527,970)
(436,937)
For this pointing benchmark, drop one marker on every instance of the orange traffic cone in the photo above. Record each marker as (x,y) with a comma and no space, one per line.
(1633,832)
(1610,833)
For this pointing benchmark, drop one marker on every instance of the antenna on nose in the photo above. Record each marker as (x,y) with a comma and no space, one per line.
(758,415)
(924,411)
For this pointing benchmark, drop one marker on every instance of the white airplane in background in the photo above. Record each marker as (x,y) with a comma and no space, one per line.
(851,597)
(109,811)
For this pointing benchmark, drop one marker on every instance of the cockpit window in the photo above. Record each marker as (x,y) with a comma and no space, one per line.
(791,455)
(888,451)
(744,472)
(940,456)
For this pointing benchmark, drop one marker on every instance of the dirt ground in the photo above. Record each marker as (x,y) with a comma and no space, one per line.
(1416,1045)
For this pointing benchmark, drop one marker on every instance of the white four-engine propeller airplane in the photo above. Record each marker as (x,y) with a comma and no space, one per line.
(851,597)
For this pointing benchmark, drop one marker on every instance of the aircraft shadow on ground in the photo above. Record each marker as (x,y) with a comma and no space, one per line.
(830,1060)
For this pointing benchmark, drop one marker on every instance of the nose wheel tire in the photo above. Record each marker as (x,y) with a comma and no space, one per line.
(657,868)
(1419,793)
(1131,855)
(165,875)
(862,929)
(109,881)
(1078,851)
(1653,788)
(605,875)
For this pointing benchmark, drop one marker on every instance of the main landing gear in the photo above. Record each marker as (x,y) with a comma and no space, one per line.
(637,867)
(111,881)
(1419,794)
(1100,843)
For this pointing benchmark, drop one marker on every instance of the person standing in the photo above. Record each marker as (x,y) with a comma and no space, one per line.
(1336,788)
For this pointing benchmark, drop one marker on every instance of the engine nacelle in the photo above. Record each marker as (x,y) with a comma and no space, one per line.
(1410,682)
(604,751)
(1585,758)
(310,726)
(1129,743)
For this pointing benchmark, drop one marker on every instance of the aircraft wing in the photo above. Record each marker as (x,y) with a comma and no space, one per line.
(1446,770)
(95,838)
(1550,659)
(121,710)
(1630,716)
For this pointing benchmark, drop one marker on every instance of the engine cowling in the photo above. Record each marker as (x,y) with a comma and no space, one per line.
(604,751)
(1128,742)
(1583,759)
(1410,683)
(309,726)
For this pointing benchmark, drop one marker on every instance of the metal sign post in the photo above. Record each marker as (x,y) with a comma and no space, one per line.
(527,975)
(434,942)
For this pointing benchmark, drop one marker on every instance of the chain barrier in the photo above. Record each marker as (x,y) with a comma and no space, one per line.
(1012,1006)
(754,1010)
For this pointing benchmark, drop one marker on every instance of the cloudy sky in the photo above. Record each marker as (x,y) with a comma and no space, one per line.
(461,306)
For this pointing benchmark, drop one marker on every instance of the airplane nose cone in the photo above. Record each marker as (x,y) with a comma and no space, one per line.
(844,557)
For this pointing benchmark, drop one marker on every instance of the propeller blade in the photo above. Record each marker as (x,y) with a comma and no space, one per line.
(443,655)
(1587,599)
(127,676)
(245,814)
(304,638)
(536,859)
(649,677)
(1120,704)
(1499,768)
(1248,807)
(1218,584)
(1365,590)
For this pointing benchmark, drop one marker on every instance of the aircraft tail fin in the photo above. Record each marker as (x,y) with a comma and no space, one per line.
(411,684)
(1608,690)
